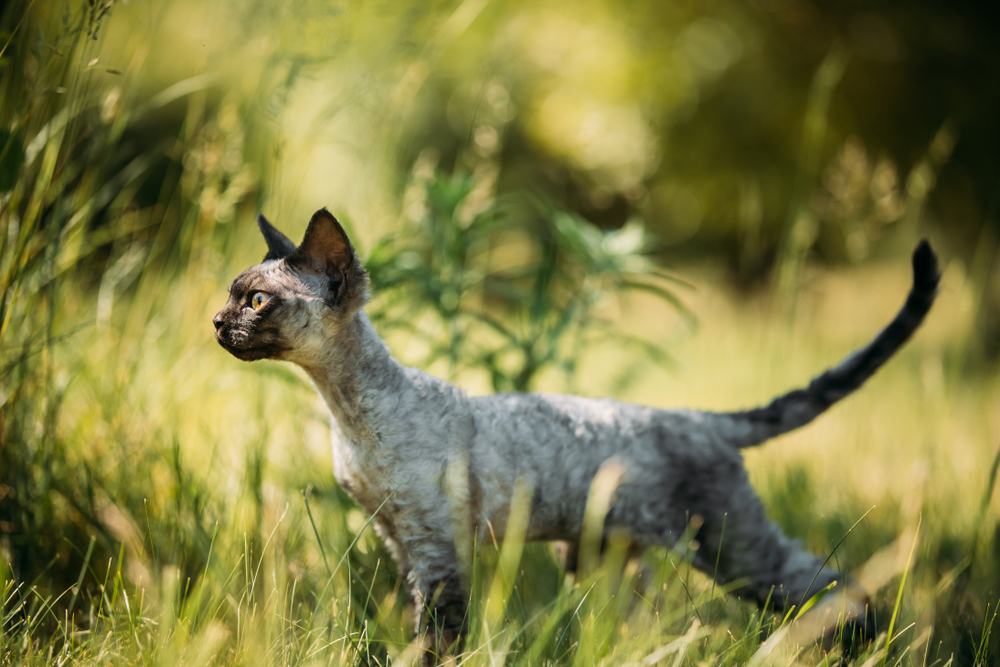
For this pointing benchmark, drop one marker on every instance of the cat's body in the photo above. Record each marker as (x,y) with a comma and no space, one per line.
(417,425)
(438,467)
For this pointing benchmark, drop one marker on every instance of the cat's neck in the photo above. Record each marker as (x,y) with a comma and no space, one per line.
(357,377)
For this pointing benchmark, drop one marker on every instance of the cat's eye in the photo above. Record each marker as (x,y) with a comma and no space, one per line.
(259,299)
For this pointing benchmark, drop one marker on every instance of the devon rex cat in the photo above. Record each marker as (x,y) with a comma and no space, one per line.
(399,435)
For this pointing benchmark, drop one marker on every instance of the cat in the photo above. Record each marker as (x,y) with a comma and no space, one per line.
(437,467)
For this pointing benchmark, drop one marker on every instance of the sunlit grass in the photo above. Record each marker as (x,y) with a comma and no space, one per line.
(197,464)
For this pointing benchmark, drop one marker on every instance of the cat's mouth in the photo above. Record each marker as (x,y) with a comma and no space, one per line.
(250,353)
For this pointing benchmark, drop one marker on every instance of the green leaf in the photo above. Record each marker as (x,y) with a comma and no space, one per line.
(811,602)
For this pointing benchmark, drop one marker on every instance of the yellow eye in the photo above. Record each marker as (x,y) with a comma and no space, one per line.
(259,299)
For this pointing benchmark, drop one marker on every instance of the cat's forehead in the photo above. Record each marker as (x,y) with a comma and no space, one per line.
(268,275)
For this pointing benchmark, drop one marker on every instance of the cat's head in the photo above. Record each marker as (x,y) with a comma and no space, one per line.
(293,303)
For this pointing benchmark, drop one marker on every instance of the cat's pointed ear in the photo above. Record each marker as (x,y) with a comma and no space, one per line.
(325,247)
(279,246)
(326,251)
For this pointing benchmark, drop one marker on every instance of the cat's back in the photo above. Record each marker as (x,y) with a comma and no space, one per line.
(557,415)
(555,426)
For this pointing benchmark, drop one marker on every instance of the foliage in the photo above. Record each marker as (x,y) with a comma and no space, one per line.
(515,290)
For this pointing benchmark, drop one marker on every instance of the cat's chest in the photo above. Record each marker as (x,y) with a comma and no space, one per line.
(360,472)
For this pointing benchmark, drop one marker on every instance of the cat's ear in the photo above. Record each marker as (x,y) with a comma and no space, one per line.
(326,251)
(279,246)
(325,247)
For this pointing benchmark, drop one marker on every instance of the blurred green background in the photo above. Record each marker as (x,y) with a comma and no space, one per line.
(696,204)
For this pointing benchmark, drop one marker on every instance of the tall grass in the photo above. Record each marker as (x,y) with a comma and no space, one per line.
(204,549)
(94,222)
(162,503)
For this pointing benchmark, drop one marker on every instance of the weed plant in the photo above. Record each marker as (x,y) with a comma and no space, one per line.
(515,287)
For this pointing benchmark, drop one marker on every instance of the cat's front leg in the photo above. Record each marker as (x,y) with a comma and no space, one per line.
(438,596)
(441,616)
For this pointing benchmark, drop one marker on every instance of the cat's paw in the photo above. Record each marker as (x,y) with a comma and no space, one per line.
(439,647)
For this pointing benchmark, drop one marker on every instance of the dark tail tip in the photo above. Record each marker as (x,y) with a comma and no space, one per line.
(926,274)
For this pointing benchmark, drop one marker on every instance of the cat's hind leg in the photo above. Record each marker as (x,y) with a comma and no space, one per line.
(739,544)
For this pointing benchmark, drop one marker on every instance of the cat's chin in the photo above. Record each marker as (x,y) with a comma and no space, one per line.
(251,353)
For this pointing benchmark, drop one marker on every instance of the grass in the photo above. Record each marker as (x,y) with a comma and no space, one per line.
(197,465)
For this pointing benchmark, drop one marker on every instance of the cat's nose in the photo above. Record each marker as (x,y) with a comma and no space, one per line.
(217,321)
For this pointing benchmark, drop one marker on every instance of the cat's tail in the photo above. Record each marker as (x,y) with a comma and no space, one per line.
(799,407)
